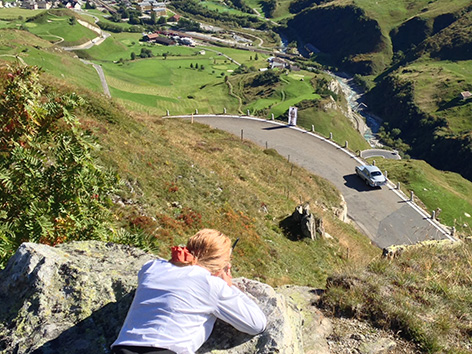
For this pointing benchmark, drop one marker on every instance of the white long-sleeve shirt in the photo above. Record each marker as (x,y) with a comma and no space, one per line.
(176,307)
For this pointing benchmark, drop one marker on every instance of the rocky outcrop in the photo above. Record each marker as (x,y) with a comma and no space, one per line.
(302,223)
(396,251)
(73,298)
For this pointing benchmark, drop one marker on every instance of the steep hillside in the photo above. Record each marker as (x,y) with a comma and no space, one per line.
(354,40)
(177,177)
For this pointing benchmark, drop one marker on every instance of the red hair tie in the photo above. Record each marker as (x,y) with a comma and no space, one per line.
(181,254)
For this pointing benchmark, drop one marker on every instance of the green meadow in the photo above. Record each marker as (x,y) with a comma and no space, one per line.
(437,88)
(55,62)
(14,13)
(105,18)
(57,27)
(171,84)
(221,7)
(294,88)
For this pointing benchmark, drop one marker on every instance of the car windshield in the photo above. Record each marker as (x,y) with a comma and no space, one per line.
(376,173)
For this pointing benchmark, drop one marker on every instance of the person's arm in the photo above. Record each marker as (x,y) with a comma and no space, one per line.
(237,309)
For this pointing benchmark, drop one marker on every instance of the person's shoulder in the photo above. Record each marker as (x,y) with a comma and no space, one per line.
(155,263)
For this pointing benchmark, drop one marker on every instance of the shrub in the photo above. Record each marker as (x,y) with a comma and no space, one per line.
(52,189)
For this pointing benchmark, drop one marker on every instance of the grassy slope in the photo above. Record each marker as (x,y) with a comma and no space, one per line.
(437,88)
(58,26)
(332,121)
(35,51)
(391,14)
(425,296)
(187,176)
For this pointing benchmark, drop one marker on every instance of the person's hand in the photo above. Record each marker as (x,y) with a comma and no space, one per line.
(225,274)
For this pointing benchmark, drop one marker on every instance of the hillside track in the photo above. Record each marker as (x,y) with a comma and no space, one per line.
(385,215)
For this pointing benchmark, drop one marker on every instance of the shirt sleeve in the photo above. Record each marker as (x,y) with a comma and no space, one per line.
(237,309)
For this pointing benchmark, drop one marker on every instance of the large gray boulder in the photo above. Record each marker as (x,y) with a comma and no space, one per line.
(73,298)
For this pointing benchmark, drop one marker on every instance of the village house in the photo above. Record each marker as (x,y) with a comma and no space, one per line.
(160,11)
(157,38)
(174,18)
(147,6)
(29,5)
(275,62)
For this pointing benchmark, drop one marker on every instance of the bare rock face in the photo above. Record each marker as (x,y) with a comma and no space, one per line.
(73,298)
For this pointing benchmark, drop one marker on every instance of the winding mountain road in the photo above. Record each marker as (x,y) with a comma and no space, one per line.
(385,215)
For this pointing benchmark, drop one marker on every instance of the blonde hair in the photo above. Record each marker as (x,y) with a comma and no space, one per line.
(211,249)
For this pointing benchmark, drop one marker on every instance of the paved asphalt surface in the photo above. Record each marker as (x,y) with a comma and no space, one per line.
(384,215)
(387,154)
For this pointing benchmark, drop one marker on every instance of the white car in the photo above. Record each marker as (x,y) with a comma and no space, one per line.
(371,175)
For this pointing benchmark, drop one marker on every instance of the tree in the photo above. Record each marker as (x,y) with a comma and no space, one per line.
(52,189)
(133,55)
(162,20)
(256,57)
(116,17)
(134,19)
(153,18)
(125,13)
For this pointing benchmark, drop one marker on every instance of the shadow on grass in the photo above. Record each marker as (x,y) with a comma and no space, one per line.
(456,102)
(291,229)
